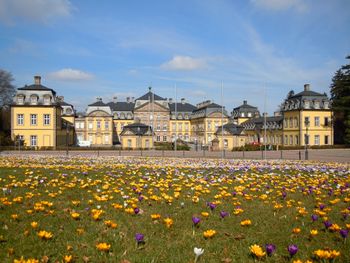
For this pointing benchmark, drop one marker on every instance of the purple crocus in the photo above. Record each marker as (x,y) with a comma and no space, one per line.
(327,224)
(270,249)
(223,214)
(212,206)
(139,238)
(314,218)
(136,210)
(344,233)
(322,206)
(292,249)
(195,220)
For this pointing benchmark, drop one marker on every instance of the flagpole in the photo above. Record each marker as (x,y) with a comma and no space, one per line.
(175,143)
(222,120)
(265,123)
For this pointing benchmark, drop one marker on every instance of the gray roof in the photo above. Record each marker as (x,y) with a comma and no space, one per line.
(182,107)
(98,104)
(121,106)
(150,96)
(137,128)
(245,107)
(63,103)
(258,123)
(37,87)
(308,93)
(231,128)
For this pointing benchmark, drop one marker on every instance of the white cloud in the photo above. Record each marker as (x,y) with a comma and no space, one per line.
(68,74)
(184,63)
(280,5)
(33,10)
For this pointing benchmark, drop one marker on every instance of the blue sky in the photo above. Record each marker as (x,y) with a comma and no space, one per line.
(88,49)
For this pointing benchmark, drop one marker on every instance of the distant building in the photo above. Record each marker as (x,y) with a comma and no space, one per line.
(42,119)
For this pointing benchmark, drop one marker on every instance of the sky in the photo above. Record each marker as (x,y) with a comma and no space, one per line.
(254,50)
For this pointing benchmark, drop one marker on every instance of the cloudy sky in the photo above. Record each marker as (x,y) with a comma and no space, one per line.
(257,48)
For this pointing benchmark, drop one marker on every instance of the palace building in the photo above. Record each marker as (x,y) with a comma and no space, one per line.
(40,118)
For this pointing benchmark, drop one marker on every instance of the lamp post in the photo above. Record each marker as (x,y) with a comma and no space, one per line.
(307,123)
(67,134)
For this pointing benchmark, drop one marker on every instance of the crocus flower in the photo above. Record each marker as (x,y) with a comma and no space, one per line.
(292,249)
(136,210)
(344,233)
(212,206)
(195,220)
(322,206)
(139,238)
(270,249)
(198,252)
(327,224)
(314,218)
(223,214)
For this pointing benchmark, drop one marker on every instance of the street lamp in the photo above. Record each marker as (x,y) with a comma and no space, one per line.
(307,123)
(67,134)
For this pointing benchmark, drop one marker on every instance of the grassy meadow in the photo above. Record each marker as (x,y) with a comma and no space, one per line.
(106,209)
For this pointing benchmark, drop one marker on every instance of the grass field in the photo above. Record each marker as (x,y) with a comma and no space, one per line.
(159,210)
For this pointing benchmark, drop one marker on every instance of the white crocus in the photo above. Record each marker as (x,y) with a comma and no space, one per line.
(197,252)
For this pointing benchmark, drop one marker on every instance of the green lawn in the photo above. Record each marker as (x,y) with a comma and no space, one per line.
(276,197)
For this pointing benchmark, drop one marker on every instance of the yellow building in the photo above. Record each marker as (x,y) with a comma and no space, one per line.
(307,119)
(229,136)
(137,136)
(244,113)
(96,126)
(37,117)
(205,120)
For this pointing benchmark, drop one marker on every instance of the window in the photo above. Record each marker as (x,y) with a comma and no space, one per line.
(186,137)
(225,143)
(129,143)
(291,122)
(90,138)
(317,139)
(296,124)
(80,137)
(285,123)
(186,126)
(20,100)
(106,125)
(33,99)
(33,119)
(147,143)
(20,119)
(316,104)
(242,114)
(164,138)
(296,140)
(33,140)
(47,100)
(180,136)
(174,126)
(158,126)
(285,139)
(249,114)
(326,138)
(317,121)
(90,125)
(209,125)
(46,119)
(165,127)
(158,138)
(180,126)
(98,124)
(326,121)
(106,138)
(209,138)
(306,104)
(291,139)
(307,121)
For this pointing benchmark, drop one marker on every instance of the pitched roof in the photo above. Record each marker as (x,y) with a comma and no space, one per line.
(63,103)
(182,107)
(245,107)
(308,93)
(150,96)
(208,106)
(231,128)
(37,87)
(137,128)
(121,106)
(98,104)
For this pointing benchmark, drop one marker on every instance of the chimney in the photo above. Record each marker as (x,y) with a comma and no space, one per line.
(128,99)
(149,88)
(307,87)
(98,99)
(170,100)
(60,98)
(245,102)
(183,101)
(115,99)
(37,80)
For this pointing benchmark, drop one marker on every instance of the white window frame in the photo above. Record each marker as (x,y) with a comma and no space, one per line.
(33,119)
(33,140)
(317,139)
(317,121)
(20,119)
(47,119)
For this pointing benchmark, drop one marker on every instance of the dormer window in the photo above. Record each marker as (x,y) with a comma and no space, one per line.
(47,100)
(69,111)
(316,104)
(242,114)
(306,104)
(20,99)
(33,99)
(326,104)
(249,114)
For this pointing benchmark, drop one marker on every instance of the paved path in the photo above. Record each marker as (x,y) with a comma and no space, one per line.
(328,155)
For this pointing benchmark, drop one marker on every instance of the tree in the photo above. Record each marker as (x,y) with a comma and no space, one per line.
(340,97)
(7,89)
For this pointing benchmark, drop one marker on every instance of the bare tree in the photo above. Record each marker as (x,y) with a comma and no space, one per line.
(7,89)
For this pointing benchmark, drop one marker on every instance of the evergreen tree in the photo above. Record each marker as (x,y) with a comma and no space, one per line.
(340,97)
(7,89)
